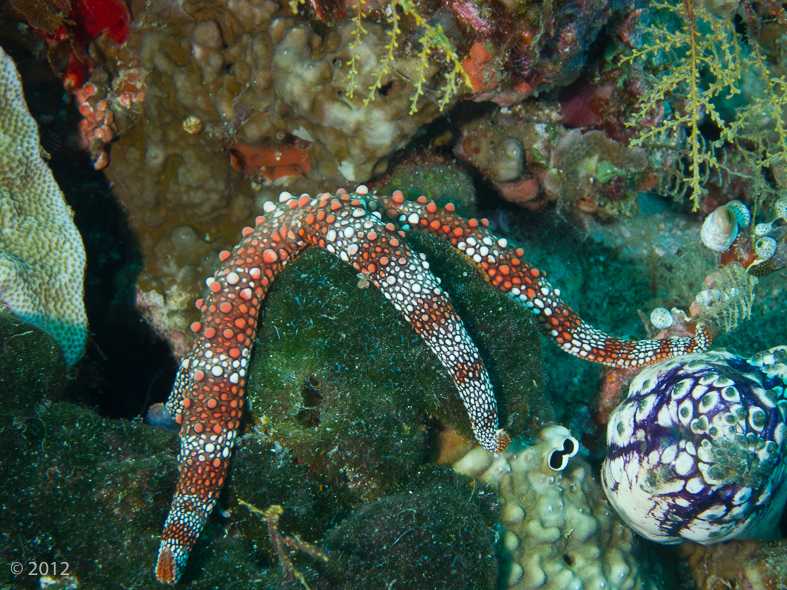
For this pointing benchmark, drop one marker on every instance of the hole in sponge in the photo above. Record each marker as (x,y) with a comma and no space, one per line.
(309,414)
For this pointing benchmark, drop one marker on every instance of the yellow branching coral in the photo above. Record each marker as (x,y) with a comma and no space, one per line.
(434,50)
(433,43)
(701,60)
(729,302)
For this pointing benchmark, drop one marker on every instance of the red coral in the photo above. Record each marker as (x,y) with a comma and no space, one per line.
(93,17)
(583,104)
(477,66)
(97,127)
(80,22)
(272,163)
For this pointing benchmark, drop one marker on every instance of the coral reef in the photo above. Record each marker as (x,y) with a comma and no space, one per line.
(556,529)
(42,258)
(209,390)
(534,158)
(502,51)
(593,168)
(334,420)
(68,27)
(697,449)
(259,94)
(512,149)
(355,400)
(254,95)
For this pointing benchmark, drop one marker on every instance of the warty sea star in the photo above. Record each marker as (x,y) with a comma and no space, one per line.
(366,231)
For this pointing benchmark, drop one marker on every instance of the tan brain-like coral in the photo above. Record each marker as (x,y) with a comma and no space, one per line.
(42,258)
(558,530)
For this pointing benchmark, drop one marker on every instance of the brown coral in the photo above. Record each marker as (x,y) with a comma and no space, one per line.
(214,102)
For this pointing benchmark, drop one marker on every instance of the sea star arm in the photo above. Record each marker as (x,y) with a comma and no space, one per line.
(209,390)
(343,226)
(208,395)
(506,270)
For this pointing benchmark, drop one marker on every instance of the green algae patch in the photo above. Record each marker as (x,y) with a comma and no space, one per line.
(85,490)
(432,534)
(434,178)
(345,385)
(264,473)
(94,493)
(338,378)
(32,368)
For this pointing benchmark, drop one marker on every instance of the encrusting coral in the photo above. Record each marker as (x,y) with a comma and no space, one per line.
(42,258)
(501,52)
(205,101)
(221,98)
(555,526)
(737,565)
(593,166)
